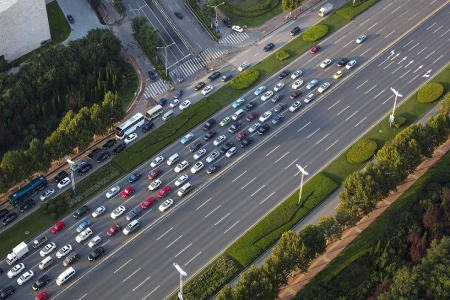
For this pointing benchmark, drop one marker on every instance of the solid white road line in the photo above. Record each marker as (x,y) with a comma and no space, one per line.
(239,176)
(131,274)
(192,258)
(360,121)
(231,227)
(331,145)
(202,204)
(174,241)
(164,233)
(221,219)
(183,250)
(122,266)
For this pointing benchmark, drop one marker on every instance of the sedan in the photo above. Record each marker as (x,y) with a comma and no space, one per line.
(238,102)
(350,64)
(157,161)
(263,129)
(47,249)
(269,47)
(181,179)
(246,142)
(227,22)
(361,38)
(310,97)
(214,76)
(112,192)
(195,146)
(177,94)
(164,191)
(199,86)
(154,173)
(343,62)
(277,119)
(208,89)
(260,90)
(234,127)
(219,140)
(338,74)
(103,156)
(81,211)
(97,253)
(254,127)
(197,167)
(113,230)
(244,66)
(227,147)
(213,169)
(280,106)
(200,153)
(127,192)
(154,185)
(42,296)
(178,15)
(295,95)
(295,30)
(83,235)
(312,83)
(174,103)
(130,138)
(47,194)
(314,49)
(213,156)
(16,270)
(284,74)
(225,121)
(187,138)
(296,106)
(278,86)
(232,151)
(58,227)
(9,218)
(165,205)
(237,28)
(252,104)
(325,86)
(135,177)
(277,97)
(85,224)
(185,104)
(297,84)
(98,211)
(325,63)
(241,135)
(181,166)
(119,149)
(265,116)
(226,77)
(64,251)
(109,144)
(64,182)
(118,212)
(296,74)
(70,19)
(25,277)
(209,135)
(267,95)
(148,202)
(41,282)
(251,116)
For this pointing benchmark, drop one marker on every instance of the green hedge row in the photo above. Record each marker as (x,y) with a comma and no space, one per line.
(266,6)
(348,12)
(361,151)
(315,33)
(244,80)
(282,55)
(430,92)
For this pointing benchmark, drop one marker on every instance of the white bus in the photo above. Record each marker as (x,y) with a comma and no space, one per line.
(130,125)
(154,112)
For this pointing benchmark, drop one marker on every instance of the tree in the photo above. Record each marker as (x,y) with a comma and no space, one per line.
(391,167)
(314,241)
(330,228)
(408,149)
(290,5)
(254,284)
(15,165)
(226,293)
(444,107)
(38,156)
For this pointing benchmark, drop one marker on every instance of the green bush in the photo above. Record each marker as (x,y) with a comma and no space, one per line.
(282,55)
(361,151)
(430,92)
(315,32)
(265,7)
(244,80)
(44,206)
(60,211)
(52,208)
(348,12)
(399,121)
(54,216)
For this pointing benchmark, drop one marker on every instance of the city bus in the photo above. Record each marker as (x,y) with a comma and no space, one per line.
(28,191)
(130,125)
(154,112)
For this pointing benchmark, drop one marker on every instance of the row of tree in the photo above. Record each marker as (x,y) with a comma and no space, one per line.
(361,192)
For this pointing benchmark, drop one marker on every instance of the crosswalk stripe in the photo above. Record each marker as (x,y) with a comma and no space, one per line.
(234,38)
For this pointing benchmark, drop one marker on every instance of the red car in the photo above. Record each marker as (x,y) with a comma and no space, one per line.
(58,227)
(164,191)
(295,95)
(240,136)
(154,173)
(42,296)
(148,202)
(314,49)
(251,116)
(113,230)
(127,192)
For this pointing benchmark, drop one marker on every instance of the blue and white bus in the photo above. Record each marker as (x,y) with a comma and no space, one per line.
(130,125)
(28,191)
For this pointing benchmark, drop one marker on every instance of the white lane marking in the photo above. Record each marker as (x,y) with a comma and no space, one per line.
(81,296)
(342,111)
(387,5)
(174,241)
(389,34)
(192,258)
(106,242)
(151,292)
(438,29)
(183,250)
(414,46)
(360,121)
(257,190)
(289,165)
(164,233)
(230,227)
(122,266)
(408,43)
(412,17)
(368,91)
(414,78)
(212,211)
(267,198)
(347,44)
(445,33)
(141,283)
(331,145)
(221,219)
(239,176)
(306,125)
(256,54)
(372,26)
(202,204)
(334,104)
(388,65)
(431,26)
(355,48)
(365,52)
(132,274)
(248,183)
(322,139)
(272,150)
(379,94)
(380,30)
(423,50)
(438,59)
(396,69)
(312,133)
(403,13)
(339,39)
(405,74)
(431,53)
(364,22)
(392,96)
(395,10)
(281,157)
(362,84)
(351,115)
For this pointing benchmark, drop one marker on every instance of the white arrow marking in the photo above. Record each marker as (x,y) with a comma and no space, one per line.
(427,74)
(392,53)
(409,63)
(403,59)
(420,67)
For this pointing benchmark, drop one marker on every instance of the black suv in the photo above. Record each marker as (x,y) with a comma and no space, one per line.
(227,147)
(109,144)
(81,211)
(96,253)
(343,62)
(209,135)
(250,105)
(119,149)
(199,86)
(94,152)
(263,129)
(295,30)
(269,47)
(227,22)
(195,146)
(30,203)
(71,259)
(284,74)
(3,212)
(147,126)
(103,156)
(84,169)
(61,175)
(9,218)
(43,280)
(214,76)
(234,127)
(209,124)
(6,292)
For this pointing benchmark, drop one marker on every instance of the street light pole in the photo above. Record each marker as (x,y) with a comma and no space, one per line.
(165,48)
(72,177)
(215,9)
(182,273)
(301,182)
(392,116)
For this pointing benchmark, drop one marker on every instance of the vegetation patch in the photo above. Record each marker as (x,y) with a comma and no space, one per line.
(348,12)
(399,121)
(315,33)
(361,151)
(245,79)
(282,55)
(430,92)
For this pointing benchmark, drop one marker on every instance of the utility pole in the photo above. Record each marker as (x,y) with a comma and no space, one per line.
(301,182)
(182,273)
(165,49)
(215,9)
(392,116)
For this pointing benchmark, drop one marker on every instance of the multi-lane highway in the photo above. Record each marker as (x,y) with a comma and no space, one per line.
(225,205)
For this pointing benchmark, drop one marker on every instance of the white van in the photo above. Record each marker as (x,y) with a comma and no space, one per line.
(45,262)
(168,115)
(65,276)
(238,114)
(131,227)
(185,189)
(173,159)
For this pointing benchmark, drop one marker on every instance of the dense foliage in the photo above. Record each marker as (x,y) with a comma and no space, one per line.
(361,151)
(282,55)
(430,92)
(315,33)
(245,79)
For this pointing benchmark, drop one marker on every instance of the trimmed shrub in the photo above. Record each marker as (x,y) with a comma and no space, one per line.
(244,80)
(282,55)
(430,92)
(315,33)
(361,151)
(399,121)
(348,12)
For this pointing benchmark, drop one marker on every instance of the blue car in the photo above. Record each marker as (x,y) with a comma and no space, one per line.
(135,177)
(85,224)
(162,101)
(188,137)
(238,102)
(260,90)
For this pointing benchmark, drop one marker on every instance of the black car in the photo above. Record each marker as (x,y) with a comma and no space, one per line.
(61,175)
(263,129)
(42,281)
(81,211)
(247,141)
(152,76)
(213,169)
(269,47)
(280,107)
(295,94)
(71,259)
(6,292)
(234,127)
(250,105)
(103,156)
(147,126)
(195,146)
(3,212)
(199,86)
(71,19)
(284,74)
(214,76)
(178,94)
(295,30)
(227,147)
(225,77)
(277,97)
(209,135)
(109,144)
(30,203)
(343,62)
(227,22)
(94,152)
(84,169)
(178,14)
(209,124)
(119,148)
(9,218)
(277,119)
(96,253)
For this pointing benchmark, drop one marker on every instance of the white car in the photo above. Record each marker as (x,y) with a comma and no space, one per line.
(112,192)
(279,86)
(237,28)
(64,182)
(118,212)
(98,211)
(296,74)
(197,167)
(254,127)
(64,251)
(350,64)
(310,97)
(243,66)
(165,205)
(83,235)
(267,95)
(297,84)
(131,137)
(174,103)
(361,38)
(324,87)
(155,185)
(200,153)
(213,156)
(208,89)
(25,277)
(47,194)
(47,249)
(325,63)
(16,270)
(182,179)
(181,166)
(94,241)
(157,161)
(232,151)
(265,116)
(185,104)
(219,140)
(295,106)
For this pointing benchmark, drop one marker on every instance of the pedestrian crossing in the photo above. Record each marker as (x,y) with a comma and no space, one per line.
(234,38)
(154,89)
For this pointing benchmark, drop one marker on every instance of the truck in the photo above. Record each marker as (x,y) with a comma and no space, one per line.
(37,243)
(324,10)
(17,253)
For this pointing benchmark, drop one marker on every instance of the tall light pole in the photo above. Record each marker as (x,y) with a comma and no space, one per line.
(392,116)
(182,273)
(215,9)
(72,177)
(301,182)
(165,48)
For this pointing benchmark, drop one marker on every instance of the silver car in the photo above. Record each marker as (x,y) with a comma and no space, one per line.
(213,156)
